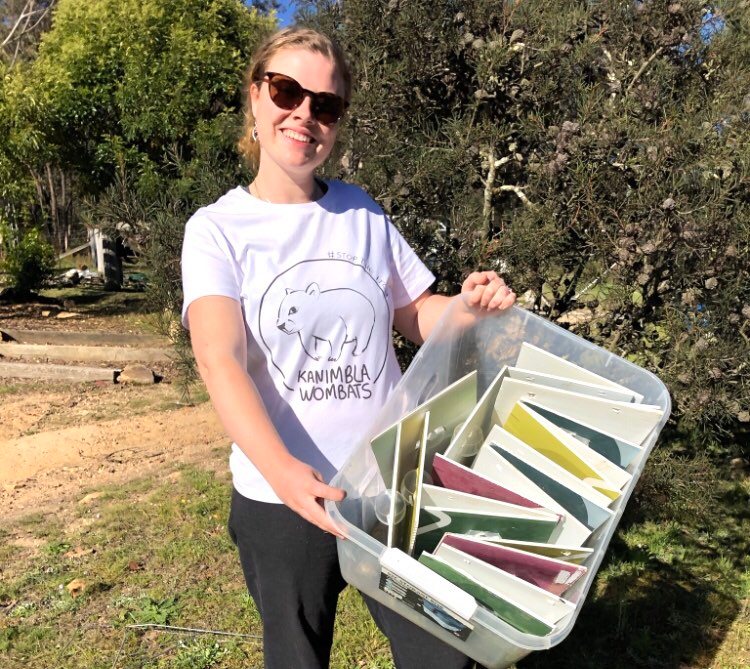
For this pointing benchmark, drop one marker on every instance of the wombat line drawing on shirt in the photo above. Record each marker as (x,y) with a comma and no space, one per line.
(327,320)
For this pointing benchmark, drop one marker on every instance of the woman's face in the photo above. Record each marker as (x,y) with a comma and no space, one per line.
(292,139)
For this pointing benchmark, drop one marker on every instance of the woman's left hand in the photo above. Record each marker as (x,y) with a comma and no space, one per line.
(487,290)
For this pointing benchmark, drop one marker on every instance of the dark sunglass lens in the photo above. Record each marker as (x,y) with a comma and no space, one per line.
(285,92)
(328,108)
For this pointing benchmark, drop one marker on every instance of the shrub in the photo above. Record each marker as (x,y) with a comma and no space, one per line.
(28,259)
(597,154)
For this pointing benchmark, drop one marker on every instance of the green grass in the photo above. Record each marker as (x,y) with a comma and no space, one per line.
(161,555)
(129,307)
(23,386)
(669,595)
(156,551)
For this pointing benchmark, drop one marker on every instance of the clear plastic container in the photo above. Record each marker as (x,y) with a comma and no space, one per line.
(465,340)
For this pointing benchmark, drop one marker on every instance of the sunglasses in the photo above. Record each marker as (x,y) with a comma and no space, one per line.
(286,93)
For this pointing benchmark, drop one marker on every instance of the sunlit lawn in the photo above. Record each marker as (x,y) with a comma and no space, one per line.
(155,552)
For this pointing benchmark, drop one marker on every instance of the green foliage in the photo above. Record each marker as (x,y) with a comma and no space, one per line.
(146,610)
(199,654)
(121,81)
(27,261)
(210,172)
(596,153)
(16,141)
(115,89)
(57,547)
(676,488)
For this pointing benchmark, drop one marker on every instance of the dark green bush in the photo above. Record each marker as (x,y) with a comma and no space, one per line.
(28,259)
(683,488)
(595,153)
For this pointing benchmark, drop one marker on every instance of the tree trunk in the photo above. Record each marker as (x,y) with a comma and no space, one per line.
(64,209)
(39,193)
(54,217)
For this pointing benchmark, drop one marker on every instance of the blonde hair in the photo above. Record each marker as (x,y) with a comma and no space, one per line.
(288,38)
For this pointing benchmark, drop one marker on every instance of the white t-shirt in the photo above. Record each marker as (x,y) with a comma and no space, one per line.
(318,283)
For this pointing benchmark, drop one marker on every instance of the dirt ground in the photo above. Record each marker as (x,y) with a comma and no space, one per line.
(58,442)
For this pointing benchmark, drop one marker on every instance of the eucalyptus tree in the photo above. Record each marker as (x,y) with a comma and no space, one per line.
(117,86)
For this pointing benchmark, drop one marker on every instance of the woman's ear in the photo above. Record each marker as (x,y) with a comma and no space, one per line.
(254,92)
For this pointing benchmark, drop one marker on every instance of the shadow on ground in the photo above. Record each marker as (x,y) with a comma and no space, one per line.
(648,611)
(89,300)
(99,302)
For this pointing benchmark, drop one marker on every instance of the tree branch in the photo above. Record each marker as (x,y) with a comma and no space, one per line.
(26,12)
(518,191)
(643,68)
(25,18)
(488,188)
(44,13)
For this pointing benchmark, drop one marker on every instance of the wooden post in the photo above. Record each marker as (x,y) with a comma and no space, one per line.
(108,263)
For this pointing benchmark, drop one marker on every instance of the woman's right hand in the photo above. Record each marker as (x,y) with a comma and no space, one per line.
(303,490)
(220,346)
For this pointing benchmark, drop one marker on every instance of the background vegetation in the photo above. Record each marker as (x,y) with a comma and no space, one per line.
(596,153)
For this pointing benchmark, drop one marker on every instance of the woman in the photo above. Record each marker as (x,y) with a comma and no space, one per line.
(292,285)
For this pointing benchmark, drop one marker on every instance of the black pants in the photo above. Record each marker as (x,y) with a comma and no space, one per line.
(292,572)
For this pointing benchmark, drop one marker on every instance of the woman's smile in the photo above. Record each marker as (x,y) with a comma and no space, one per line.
(297,137)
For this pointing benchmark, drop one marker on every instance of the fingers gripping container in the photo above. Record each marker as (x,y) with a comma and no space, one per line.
(465,340)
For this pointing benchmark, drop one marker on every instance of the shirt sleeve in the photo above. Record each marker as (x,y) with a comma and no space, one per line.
(208,265)
(410,277)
